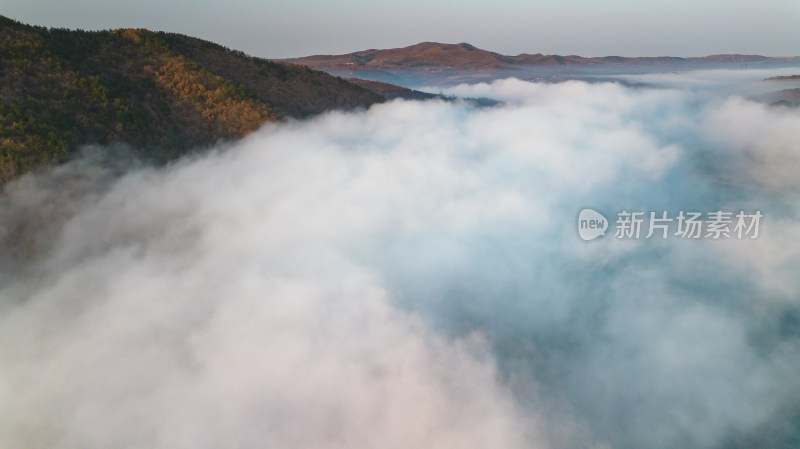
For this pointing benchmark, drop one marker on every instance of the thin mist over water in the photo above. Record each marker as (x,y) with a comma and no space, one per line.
(411,275)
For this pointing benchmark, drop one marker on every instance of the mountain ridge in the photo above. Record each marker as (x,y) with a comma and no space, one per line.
(464,56)
(163,94)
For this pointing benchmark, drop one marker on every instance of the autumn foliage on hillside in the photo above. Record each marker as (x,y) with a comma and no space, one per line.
(163,94)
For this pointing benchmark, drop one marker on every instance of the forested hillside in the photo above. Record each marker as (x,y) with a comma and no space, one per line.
(163,94)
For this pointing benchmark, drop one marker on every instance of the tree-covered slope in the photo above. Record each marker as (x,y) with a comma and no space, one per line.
(161,93)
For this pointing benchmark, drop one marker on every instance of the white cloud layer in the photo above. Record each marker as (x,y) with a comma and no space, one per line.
(410,276)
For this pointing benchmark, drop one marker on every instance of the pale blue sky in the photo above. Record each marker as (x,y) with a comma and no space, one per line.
(584,27)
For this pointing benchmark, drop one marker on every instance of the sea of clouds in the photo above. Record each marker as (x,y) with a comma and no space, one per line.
(411,276)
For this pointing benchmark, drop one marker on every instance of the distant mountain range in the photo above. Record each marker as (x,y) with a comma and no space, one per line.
(784,78)
(463,56)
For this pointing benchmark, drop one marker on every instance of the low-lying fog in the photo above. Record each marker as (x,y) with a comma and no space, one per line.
(412,276)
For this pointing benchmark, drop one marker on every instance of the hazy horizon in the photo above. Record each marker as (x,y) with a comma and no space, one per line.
(578,27)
